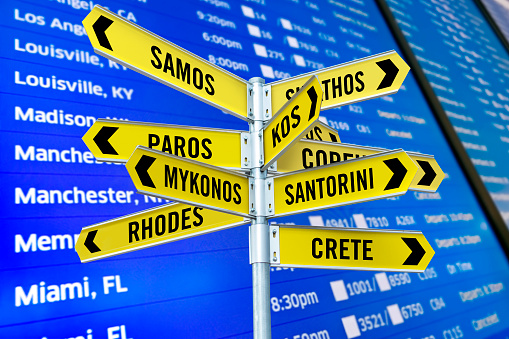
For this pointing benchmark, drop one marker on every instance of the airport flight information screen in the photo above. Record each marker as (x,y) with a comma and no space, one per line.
(499,11)
(468,68)
(201,287)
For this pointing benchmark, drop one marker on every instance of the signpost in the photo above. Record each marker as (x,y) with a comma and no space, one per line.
(372,177)
(171,177)
(186,164)
(292,121)
(308,153)
(144,52)
(349,249)
(155,226)
(348,83)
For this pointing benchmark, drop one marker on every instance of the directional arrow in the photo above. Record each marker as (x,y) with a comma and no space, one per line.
(101,140)
(347,83)
(89,242)
(311,153)
(429,173)
(372,177)
(173,222)
(314,99)
(399,173)
(333,137)
(417,251)
(100,26)
(347,248)
(390,73)
(142,169)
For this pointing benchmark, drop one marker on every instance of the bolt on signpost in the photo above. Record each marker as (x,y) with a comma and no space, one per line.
(216,190)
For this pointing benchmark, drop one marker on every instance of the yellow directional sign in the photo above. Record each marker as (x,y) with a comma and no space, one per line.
(372,177)
(309,153)
(292,121)
(349,249)
(171,177)
(115,140)
(347,83)
(142,51)
(323,132)
(155,226)
(429,174)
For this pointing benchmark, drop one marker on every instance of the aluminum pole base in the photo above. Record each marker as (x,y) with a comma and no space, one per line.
(261,300)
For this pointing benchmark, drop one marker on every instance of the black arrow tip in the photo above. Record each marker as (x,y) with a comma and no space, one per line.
(314,99)
(89,242)
(102,137)
(100,27)
(142,167)
(390,73)
(417,251)
(429,173)
(399,173)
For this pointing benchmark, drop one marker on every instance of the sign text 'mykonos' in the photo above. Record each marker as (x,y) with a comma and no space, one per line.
(171,177)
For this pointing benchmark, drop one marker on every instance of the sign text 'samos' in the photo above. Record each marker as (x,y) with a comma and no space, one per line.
(182,70)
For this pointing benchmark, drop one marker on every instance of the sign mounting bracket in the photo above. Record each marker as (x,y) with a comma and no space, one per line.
(267,106)
(274,245)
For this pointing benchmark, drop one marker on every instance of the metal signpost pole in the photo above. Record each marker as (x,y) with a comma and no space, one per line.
(259,230)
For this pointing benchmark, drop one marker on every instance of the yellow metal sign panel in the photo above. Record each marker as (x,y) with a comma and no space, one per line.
(171,177)
(142,51)
(352,249)
(323,132)
(372,177)
(351,82)
(429,174)
(115,140)
(155,226)
(309,153)
(292,121)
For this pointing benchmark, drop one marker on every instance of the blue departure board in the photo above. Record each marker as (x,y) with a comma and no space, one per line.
(499,11)
(468,68)
(201,287)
